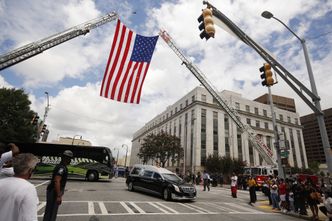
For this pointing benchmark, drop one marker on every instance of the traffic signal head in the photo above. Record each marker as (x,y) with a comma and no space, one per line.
(43,130)
(206,24)
(267,75)
(35,119)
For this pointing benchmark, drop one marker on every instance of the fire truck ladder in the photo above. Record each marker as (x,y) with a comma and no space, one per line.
(265,152)
(34,48)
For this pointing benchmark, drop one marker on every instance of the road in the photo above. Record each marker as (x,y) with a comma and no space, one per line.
(110,200)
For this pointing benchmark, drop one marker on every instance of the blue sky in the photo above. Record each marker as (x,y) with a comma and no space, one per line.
(72,72)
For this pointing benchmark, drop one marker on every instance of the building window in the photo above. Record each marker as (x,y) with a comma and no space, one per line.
(226,127)
(203,137)
(293,146)
(171,113)
(227,147)
(180,106)
(248,121)
(296,121)
(193,99)
(258,123)
(215,133)
(247,108)
(288,119)
(176,109)
(186,103)
(215,101)
(264,113)
(180,126)
(256,111)
(251,154)
(300,147)
(266,125)
(281,117)
(269,142)
(239,144)
(237,106)
(203,97)
(166,115)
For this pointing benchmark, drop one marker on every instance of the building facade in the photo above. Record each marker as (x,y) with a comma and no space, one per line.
(206,129)
(312,138)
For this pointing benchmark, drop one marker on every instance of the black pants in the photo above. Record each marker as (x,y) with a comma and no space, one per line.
(51,208)
(253,197)
(206,184)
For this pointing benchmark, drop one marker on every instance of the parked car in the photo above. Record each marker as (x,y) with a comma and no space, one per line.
(159,181)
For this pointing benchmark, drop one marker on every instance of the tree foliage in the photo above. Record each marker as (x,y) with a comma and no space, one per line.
(225,165)
(161,148)
(16,116)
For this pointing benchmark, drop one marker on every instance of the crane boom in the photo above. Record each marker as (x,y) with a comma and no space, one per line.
(22,53)
(255,139)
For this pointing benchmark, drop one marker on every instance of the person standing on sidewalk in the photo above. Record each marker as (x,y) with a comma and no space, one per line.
(56,188)
(274,196)
(252,189)
(206,181)
(234,185)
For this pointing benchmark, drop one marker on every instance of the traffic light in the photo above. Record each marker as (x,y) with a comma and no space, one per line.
(43,130)
(35,119)
(266,75)
(206,24)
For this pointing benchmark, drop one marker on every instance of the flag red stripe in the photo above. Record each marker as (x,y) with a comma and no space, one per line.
(140,87)
(116,58)
(124,81)
(130,81)
(124,58)
(139,72)
(106,74)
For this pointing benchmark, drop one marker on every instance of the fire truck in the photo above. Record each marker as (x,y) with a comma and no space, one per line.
(260,173)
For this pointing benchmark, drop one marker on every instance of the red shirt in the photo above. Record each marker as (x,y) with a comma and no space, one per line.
(282,189)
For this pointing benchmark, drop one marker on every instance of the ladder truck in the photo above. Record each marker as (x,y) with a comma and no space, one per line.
(265,152)
(34,48)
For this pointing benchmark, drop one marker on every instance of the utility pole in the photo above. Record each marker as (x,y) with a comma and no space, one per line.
(126,153)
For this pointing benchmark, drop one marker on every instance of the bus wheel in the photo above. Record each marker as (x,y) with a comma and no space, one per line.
(92,175)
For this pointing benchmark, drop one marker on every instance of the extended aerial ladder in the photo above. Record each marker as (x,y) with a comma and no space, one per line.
(265,152)
(34,48)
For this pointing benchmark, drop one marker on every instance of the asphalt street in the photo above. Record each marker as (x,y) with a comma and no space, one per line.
(110,200)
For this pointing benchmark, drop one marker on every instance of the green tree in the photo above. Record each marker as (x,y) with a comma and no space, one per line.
(16,116)
(161,148)
(314,166)
(213,163)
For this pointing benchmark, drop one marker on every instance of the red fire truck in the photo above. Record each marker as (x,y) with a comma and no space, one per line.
(260,173)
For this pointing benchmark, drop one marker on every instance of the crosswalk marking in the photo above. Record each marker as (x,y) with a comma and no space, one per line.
(91,208)
(197,209)
(242,208)
(161,208)
(170,209)
(221,207)
(102,208)
(158,207)
(40,206)
(130,211)
(137,207)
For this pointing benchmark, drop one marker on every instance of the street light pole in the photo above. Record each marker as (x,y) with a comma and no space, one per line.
(320,117)
(72,142)
(126,153)
(117,156)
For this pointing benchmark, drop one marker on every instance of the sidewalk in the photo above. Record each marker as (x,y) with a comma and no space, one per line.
(264,205)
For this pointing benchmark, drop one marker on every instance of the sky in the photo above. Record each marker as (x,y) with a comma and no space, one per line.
(72,72)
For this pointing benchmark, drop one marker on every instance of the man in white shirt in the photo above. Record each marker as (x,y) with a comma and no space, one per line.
(234,185)
(7,155)
(18,196)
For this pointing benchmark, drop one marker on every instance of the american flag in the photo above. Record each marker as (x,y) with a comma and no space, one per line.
(127,65)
